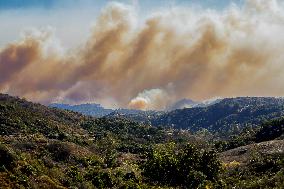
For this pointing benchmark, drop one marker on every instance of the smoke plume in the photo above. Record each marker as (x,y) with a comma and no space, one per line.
(150,63)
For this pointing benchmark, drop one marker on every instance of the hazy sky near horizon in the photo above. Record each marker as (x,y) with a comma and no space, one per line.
(72,20)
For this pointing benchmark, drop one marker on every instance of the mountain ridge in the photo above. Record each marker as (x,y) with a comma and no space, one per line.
(93,109)
(239,112)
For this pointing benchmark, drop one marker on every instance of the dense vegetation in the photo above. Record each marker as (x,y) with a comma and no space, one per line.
(232,114)
(44,147)
(269,130)
(222,117)
(186,167)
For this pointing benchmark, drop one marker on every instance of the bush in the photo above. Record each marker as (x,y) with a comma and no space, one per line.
(60,151)
(190,167)
(7,157)
(100,178)
(264,164)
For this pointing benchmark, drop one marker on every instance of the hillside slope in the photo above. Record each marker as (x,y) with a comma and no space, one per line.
(228,114)
(242,154)
(258,165)
(43,147)
(18,116)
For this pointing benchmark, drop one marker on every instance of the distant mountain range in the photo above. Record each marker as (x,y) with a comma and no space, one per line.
(95,110)
(222,115)
(86,109)
(226,114)
(183,103)
(230,115)
(188,103)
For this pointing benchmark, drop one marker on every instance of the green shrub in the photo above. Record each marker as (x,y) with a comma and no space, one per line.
(101,178)
(60,151)
(189,166)
(264,164)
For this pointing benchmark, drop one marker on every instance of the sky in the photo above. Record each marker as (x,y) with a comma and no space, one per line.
(50,4)
(72,20)
(140,54)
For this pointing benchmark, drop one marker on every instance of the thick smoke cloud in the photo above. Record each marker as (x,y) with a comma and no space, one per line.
(149,64)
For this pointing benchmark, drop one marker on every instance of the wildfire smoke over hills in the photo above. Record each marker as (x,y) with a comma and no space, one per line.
(150,63)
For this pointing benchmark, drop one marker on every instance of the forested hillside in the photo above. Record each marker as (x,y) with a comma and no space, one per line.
(43,147)
(231,114)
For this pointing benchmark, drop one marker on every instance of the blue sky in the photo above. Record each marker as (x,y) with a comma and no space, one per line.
(49,4)
(10,4)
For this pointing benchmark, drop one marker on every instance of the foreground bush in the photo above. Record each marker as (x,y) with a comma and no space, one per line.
(187,167)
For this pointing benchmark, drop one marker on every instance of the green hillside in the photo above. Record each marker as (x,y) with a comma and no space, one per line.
(231,114)
(43,147)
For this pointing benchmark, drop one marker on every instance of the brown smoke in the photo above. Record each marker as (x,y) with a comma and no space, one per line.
(15,57)
(138,103)
(174,54)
